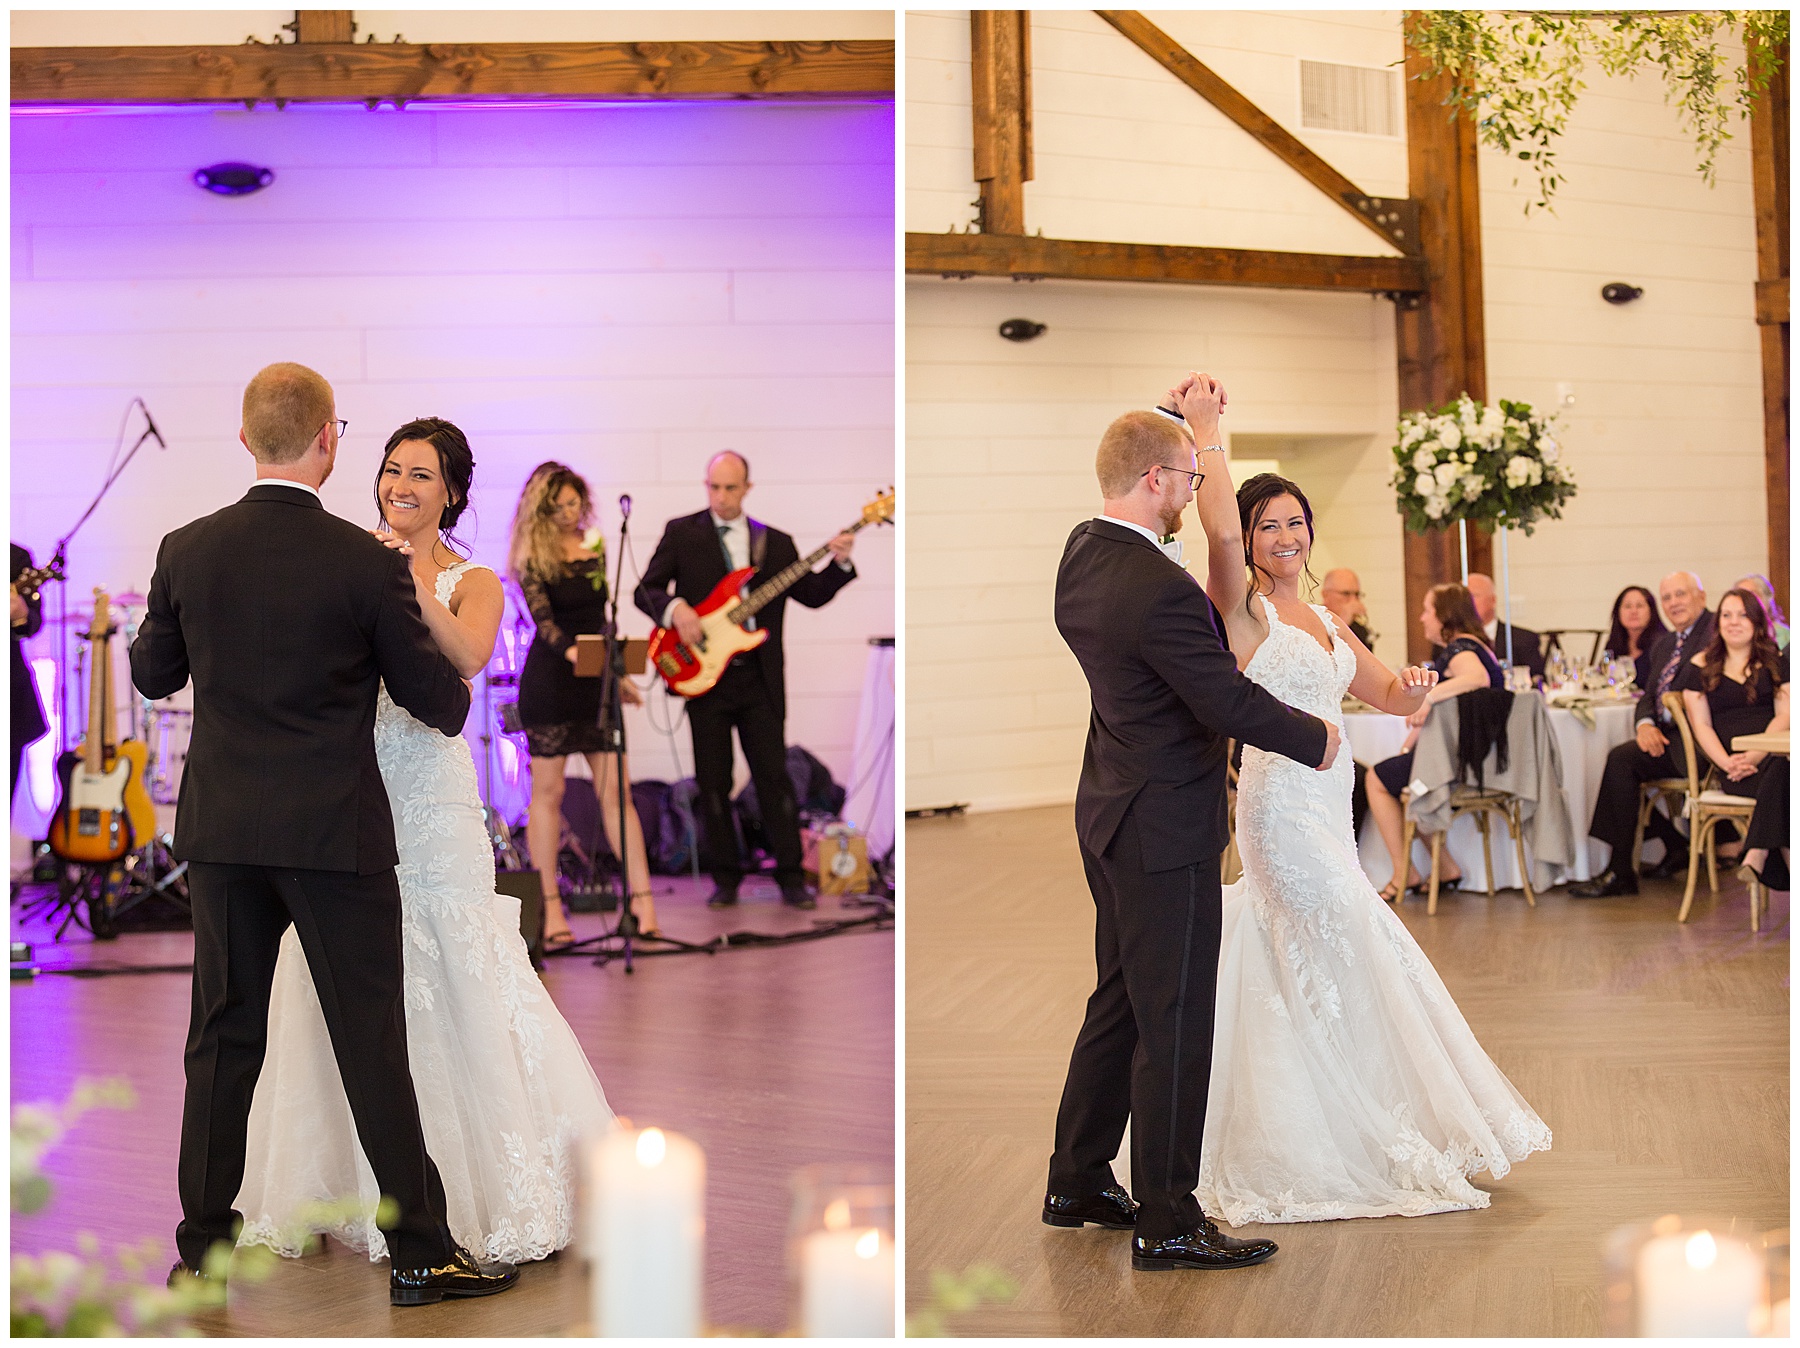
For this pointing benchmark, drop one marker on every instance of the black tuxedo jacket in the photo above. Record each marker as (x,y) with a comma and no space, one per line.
(1662,650)
(1528,648)
(288,619)
(688,556)
(1166,695)
(28,722)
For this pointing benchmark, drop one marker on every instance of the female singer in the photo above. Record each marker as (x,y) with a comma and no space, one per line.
(564,581)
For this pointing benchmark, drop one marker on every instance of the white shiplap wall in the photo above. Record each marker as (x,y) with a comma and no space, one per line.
(627,288)
(1665,436)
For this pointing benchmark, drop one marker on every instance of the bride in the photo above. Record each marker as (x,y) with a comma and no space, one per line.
(504,1088)
(1345,1083)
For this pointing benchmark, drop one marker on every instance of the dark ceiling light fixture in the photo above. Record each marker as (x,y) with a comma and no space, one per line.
(234,180)
(1021,329)
(1617,292)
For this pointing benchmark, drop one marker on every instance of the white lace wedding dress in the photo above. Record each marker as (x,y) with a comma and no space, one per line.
(1345,1083)
(505,1091)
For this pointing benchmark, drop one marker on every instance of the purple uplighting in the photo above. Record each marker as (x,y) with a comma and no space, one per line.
(625,286)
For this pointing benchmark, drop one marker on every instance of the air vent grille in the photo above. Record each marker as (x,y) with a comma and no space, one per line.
(1348,98)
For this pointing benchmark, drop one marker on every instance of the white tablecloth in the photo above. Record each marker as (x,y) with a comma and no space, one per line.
(870,805)
(1375,735)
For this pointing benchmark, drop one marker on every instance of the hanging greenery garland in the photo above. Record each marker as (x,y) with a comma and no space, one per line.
(1519,72)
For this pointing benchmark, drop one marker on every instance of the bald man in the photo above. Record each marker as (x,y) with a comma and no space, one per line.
(1341,592)
(1655,752)
(695,553)
(1527,646)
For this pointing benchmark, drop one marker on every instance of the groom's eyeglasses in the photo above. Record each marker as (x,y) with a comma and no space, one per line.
(1194,478)
(341,425)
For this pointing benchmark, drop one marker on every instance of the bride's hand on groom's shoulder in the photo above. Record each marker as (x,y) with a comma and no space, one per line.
(394,541)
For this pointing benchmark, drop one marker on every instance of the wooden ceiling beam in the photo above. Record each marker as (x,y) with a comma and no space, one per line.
(1030,258)
(1394,220)
(324,25)
(402,71)
(1000,103)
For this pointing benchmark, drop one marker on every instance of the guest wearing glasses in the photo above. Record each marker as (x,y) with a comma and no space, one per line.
(1635,629)
(1650,755)
(1341,592)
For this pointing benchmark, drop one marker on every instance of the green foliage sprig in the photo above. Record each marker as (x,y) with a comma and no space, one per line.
(954,1293)
(1518,72)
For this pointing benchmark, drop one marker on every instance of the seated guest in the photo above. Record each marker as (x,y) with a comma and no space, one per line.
(1736,686)
(1464,662)
(1635,628)
(1766,844)
(1759,586)
(1650,755)
(1527,648)
(1341,592)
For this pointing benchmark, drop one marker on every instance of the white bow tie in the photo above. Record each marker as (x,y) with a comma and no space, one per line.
(1172,550)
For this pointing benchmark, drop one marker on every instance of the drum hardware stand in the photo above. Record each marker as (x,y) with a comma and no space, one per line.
(612,714)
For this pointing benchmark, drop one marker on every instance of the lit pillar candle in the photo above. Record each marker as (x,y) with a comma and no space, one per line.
(847,1284)
(646,1232)
(1698,1286)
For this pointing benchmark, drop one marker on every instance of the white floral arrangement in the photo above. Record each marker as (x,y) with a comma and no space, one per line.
(1493,466)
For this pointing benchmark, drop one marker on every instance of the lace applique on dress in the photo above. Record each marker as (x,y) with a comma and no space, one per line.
(504,1089)
(1345,1082)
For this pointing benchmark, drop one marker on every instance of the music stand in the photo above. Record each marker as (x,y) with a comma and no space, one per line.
(611,659)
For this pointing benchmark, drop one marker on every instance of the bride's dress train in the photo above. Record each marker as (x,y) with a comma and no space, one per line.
(505,1091)
(1345,1082)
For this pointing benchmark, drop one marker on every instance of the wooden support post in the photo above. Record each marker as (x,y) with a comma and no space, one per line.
(1769,170)
(1440,341)
(1000,88)
(323,25)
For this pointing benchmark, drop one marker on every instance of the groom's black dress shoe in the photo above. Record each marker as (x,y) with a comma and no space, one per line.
(1608,884)
(181,1273)
(1111,1208)
(463,1276)
(1206,1248)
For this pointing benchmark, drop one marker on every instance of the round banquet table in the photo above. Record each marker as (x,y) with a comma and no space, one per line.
(1374,735)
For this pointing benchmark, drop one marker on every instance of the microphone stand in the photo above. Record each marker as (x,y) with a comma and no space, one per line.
(612,717)
(60,562)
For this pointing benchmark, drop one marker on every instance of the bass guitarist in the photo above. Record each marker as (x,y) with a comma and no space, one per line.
(694,554)
(28,723)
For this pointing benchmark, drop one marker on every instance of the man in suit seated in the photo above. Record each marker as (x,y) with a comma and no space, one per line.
(1656,752)
(1527,647)
(1341,592)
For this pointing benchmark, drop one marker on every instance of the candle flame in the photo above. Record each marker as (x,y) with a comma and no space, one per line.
(837,1214)
(868,1245)
(652,1146)
(1702,1250)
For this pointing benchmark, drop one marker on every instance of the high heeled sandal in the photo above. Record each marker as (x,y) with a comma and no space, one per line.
(651,933)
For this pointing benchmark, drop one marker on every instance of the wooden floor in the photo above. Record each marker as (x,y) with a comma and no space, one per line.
(1658,1054)
(769,1058)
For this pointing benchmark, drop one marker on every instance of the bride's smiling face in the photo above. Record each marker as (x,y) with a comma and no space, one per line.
(413,492)
(1280,538)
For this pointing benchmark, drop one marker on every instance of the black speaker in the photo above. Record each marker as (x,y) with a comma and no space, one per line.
(528,890)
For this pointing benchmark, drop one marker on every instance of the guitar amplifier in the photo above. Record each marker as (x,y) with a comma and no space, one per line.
(528,890)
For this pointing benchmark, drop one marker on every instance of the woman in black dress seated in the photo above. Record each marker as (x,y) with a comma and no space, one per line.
(1738,686)
(564,581)
(1466,662)
(1635,626)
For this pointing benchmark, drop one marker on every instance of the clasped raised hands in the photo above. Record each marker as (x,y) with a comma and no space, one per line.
(1200,399)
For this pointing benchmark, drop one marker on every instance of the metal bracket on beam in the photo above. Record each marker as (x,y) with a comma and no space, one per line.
(1404,299)
(1396,217)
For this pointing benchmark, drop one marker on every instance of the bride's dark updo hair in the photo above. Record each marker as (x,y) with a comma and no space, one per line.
(1253,499)
(456,465)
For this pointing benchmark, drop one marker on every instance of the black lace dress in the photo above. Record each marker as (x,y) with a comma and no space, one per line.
(560,712)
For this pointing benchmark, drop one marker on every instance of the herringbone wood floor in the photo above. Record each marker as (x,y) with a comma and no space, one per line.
(1658,1054)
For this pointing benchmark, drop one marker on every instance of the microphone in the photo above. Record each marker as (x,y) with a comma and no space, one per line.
(150,422)
(625,506)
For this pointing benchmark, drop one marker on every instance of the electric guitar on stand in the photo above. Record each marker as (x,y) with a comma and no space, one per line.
(104,810)
(693,670)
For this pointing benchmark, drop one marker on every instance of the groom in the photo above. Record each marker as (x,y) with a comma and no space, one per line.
(1151,822)
(288,619)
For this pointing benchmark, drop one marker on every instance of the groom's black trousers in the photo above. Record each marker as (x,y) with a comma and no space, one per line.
(1145,1049)
(349,927)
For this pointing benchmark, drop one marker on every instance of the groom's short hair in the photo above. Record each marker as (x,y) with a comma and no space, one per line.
(1134,444)
(284,407)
